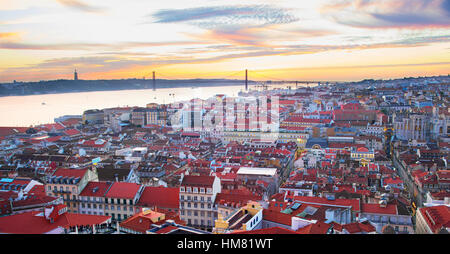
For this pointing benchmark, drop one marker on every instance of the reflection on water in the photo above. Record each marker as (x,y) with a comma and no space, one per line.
(39,109)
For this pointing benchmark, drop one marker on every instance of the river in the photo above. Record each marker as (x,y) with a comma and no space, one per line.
(31,110)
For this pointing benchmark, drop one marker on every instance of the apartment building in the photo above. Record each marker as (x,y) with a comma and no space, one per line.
(197,196)
(433,220)
(68,184)
(120,200)
(92,198)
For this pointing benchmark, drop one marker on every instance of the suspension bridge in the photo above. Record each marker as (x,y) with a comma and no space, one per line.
(262,81)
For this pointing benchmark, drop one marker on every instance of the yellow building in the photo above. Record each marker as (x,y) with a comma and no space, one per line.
(363,155)
(68,184)
(246,218)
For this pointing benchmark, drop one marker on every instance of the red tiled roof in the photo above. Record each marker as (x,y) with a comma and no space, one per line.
(436,217)
(34,200)
(91,143)
(319,227)
(268,231)
(277,217)
(392,181)
(166,230)
(377,209)
(123,190)
(68,172)
(140,222)
(29,223)
(99,187)
(76,219)
(161,197)
(198,181)
(71,122)
(71,132)
(6,131)
(354,203)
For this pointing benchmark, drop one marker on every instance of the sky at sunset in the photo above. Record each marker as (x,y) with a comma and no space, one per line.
(335,40)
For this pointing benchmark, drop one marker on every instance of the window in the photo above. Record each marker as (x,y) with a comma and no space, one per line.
(73,189)
(118,208)
(195,213)
(106,207)
(188,204)
(202,205)
(195,205)
(195,190)
(182,212)
(202,190)
(181,189)
(49,187)
(94,206)
(112,207)
(188,189)
(124,208)
(189,212)
(202,198)
(195,198)
(100,206)
(182,197)
(88,205)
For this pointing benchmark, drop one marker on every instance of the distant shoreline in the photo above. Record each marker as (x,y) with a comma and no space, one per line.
(20,89)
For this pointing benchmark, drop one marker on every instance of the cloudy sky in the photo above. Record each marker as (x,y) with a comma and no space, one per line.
(332,40)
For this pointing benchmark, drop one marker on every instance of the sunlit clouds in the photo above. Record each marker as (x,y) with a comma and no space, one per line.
(321,40)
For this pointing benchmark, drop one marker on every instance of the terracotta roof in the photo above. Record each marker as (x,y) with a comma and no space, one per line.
(71,132)
(198,181)
(6,131)
(141,222)
(95,189)
(436,217)
(268,231)
(354,203)
(30,223)
(377,209)
(160,197)
(68,172)
(319,227)
(123,190)
(277,217)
